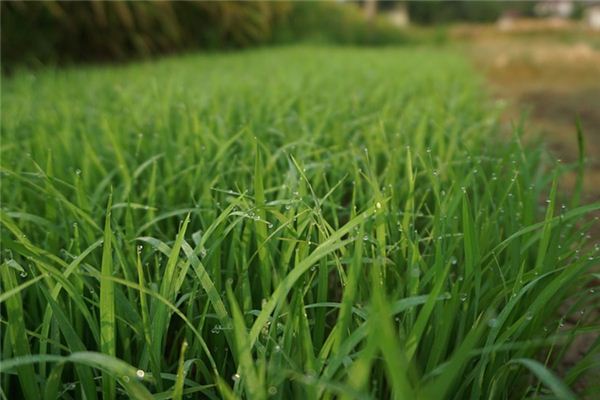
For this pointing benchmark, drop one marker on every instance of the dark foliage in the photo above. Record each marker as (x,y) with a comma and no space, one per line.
(58,32)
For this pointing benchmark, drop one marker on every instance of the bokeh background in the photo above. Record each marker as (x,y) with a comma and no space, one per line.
(66,31)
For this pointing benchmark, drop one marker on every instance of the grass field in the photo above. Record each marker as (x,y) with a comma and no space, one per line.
(287,223)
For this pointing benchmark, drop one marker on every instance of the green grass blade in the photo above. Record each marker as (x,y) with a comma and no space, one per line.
(178,387)
(107,306)
(561,391)
(17,334)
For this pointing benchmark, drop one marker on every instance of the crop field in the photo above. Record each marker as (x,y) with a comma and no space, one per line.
(293,222)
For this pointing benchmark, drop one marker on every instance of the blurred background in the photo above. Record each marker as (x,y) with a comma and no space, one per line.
(542,57)
(58,32)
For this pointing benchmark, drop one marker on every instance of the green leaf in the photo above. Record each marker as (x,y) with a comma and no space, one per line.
(107,305)
(561,391)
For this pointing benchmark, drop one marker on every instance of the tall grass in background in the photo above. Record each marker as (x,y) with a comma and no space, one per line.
(286,223)
(61,32)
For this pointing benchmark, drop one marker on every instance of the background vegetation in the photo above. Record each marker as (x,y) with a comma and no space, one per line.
(37,33)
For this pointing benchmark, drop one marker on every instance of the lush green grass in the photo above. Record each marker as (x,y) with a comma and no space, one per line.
(284,223)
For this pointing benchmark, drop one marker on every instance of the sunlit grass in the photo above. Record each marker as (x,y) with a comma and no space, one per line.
(285,223)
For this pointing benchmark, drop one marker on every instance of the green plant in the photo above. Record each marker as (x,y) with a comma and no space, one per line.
(300,222)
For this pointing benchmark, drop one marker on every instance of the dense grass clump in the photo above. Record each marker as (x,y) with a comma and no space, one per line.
(284,223)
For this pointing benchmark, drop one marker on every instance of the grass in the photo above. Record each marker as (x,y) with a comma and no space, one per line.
(284,223)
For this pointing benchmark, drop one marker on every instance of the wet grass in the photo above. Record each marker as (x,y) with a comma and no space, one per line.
(284,223)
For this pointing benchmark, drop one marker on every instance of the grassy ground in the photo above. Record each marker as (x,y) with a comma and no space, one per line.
(285,223)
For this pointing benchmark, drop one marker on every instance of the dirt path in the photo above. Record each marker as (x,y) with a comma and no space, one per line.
(554,76)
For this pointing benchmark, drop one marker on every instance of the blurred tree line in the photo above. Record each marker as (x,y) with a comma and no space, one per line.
(37,33)
(444,11)
(428,12)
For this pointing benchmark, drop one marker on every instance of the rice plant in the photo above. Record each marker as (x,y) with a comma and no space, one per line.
(297,222)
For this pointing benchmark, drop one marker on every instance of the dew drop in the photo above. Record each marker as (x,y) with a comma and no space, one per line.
(140,373)
(235,377)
